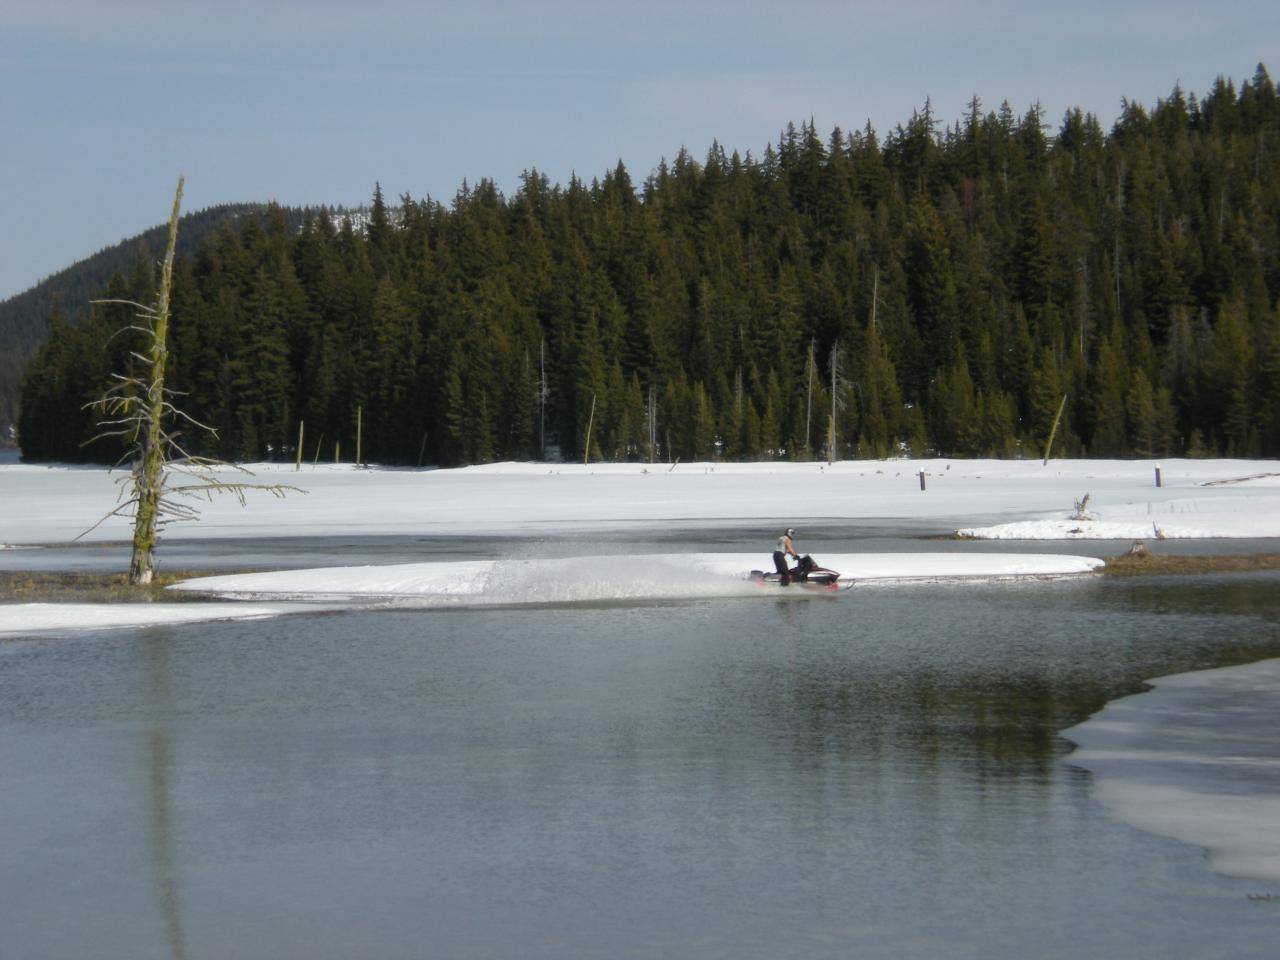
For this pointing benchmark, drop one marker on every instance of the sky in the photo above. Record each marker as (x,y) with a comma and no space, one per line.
(103,103)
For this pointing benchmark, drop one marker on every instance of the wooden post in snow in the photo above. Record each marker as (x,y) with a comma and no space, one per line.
(359,436)
(297,464)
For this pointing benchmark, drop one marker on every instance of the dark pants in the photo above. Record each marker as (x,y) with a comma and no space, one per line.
(780,562)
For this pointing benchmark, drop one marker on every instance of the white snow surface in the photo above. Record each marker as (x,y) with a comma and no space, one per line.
(1000,498)
(32,618)
(597,577)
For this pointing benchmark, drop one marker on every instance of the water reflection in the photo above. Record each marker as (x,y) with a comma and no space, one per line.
(751,779)
(1007,726)
(988,675)
(158,700)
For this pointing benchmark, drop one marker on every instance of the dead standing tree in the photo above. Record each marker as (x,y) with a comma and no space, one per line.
(138,410)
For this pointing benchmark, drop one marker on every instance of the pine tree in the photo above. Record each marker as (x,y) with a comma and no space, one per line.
(1107,399)
(1056,265)
(1228,374)
(1045,397)
(1144,426)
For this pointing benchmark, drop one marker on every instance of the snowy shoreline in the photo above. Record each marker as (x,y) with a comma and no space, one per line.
(43,619)
(1011,499)
(614,577)
(509,582)
(1004,499)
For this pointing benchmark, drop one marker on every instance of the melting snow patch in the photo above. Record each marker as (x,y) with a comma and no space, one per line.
(612,578)
(1195,759)
(28,618)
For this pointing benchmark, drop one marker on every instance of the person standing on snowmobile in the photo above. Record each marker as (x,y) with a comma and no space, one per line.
(784,549)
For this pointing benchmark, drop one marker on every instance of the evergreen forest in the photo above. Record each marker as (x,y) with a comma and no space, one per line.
(24,318)
(937,290)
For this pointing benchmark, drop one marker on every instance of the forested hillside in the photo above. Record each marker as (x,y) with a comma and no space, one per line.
(960,279)
(24,318)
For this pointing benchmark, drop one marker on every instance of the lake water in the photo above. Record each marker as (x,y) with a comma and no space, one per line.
(874,774)
(844,536)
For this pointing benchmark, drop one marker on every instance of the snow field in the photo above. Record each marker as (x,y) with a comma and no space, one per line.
(1000,498)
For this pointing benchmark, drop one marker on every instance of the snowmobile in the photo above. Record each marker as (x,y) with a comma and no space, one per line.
(805,573)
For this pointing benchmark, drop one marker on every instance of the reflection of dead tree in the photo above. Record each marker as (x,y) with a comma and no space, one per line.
(137,410)
(159,697)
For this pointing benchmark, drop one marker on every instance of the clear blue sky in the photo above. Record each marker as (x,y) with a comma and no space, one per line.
(104,102)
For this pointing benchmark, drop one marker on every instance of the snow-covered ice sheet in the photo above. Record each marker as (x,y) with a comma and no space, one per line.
(515,581)
(1199,517)
(1196,759)
(625,577)
(1220,498)
(916,566)
(29,618)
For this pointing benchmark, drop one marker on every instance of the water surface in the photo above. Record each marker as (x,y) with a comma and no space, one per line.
(838,536)
(873,774)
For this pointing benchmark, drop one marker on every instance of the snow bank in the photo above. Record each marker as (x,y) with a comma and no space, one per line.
(1242,514)
(918,566)
(1196,760)
(516,581)
(1222,498)
(27,618)
(610,578)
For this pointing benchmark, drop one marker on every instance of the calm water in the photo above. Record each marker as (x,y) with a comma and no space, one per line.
(878,536)
(874,774)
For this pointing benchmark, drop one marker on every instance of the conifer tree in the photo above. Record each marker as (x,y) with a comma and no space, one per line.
(1076,264)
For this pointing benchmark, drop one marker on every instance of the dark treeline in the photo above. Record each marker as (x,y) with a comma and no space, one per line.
(24,318)
(960,280)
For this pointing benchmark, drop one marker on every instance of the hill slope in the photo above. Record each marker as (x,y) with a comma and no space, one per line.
(24,318)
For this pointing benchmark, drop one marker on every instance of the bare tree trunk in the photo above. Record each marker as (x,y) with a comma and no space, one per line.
(875,296)
(808,410)
(586,454)
(831,436)
(149,469)
(1054,432)
(136,409)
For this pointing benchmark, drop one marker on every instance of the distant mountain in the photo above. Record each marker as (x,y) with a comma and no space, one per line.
(24,318)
